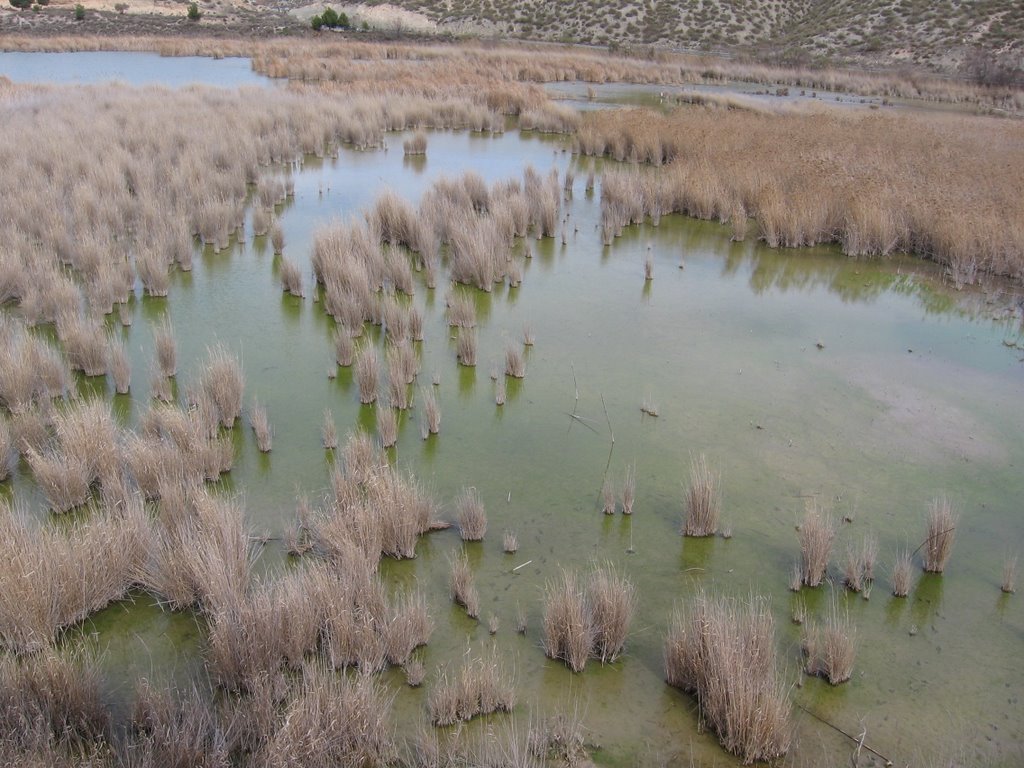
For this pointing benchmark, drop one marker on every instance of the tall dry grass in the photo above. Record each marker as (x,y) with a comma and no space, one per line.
(723,651)
(222,382)
(470,515)
(703,500)
(482,685)
(53,577)
(816,534)
(848,178)
(831,647)
(462,585)
(941,523)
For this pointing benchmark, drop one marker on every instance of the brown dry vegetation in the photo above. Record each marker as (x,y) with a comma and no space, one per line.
(941,186)
(481,686)
(723,651)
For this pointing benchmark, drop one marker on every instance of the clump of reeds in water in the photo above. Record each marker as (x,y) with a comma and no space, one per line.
(499,392)
(470,515)
(166,348)
(461,310)
(329,431)
(119,367)
(629,489)
(1009,584)
(515,365)
(417,145)
(941,524)
(367,374)
(816,534)
(387,426)
(723,651)
(261,426)
(510,543)
(291,278)
(831,647)
(480,687)
(461,585)
(648,269)
(568,632)
(8,449)
(222,382)
(703,500)
(591,620)
(859,567)
(902,573)
(608,497)
(431,411)
(466,348)
(344,347)
(528,337)
(277,239)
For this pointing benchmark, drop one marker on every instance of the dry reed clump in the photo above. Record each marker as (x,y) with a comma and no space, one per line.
(333,720)
(607,497)
(54,577)
(462,586)
(461,310)
(344,348)
(166,348)
(581,622)
(84,453)
(329,431)
(816,534)
(466,348)
(51,705)
(222,383)
(1009,583)
(31,372)
(118,366)
(863,195)
(375,510)
(499,392)
(387,427)
(84,343)
(277,238)
(831,648)
(417,145)
(481,686)
(629,489)
(723,651)
(902,573)
(938,546)
(515,365)
(291,278)
(367,374)
(431,411)
(703,500)
(261,426)
(859,567)
(470,515)
(510,543)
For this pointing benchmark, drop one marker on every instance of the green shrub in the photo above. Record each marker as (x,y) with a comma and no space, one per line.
(21,4)
(316,22)
(329,18)
(194,14)
(79,12)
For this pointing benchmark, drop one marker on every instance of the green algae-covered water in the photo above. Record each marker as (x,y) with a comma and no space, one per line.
(870,386)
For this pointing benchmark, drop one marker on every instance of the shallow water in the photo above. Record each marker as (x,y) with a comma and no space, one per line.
(913,393)
(132,68)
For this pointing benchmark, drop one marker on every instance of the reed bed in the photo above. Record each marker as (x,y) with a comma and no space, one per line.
(118,366)
(221,382)
(470,515)
(1009,582)
(816,534)
(461,310)
(941,523)
(723,651)
(329,431)
(260,422)
(482,685)
(703,500)
(510,543)
(417,145)
(387,426)
(859,566)
(831,647)
(515,364)
(291,278)
(902,573)
(32,372)
(8,449)
(166,348)
(629,489)
(590,620)
(462,586)
(431,411)
(466,347)
(822,177)
(608,502)
(367,374)
(55,576)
